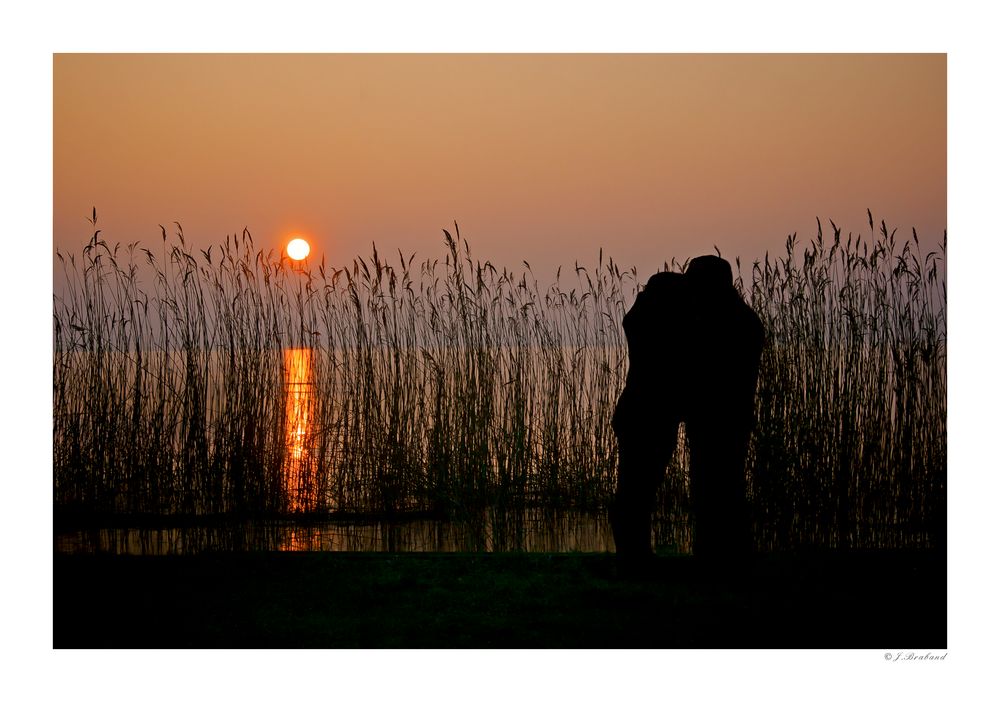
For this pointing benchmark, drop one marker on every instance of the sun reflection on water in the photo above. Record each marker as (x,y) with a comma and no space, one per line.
(299,484)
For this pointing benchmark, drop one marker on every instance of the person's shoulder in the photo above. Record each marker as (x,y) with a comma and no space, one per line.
(750,318)
(664,281)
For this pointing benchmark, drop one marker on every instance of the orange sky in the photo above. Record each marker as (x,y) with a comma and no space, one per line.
(538,157)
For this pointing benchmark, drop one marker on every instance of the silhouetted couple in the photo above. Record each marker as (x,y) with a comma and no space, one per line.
(694,350)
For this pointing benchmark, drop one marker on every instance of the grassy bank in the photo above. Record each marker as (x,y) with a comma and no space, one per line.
(874,599)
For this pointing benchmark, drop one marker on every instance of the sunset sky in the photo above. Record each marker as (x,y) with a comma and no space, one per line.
(544,157)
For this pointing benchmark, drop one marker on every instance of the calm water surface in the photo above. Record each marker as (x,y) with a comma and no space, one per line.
(531,532)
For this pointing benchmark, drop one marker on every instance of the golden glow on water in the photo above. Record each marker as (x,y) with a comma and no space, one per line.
(533,531)
(298,425)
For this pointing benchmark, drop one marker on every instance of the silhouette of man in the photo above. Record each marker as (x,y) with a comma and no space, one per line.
(694,351)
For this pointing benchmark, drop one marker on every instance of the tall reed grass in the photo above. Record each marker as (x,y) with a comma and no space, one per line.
(451,386)
(850,445)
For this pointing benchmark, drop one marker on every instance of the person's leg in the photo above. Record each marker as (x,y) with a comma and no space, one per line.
(645,446)
(718,491)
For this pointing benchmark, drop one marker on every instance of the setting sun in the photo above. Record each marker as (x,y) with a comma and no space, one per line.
(297,249)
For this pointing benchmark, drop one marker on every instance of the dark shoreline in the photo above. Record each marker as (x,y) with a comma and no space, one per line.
(891,599)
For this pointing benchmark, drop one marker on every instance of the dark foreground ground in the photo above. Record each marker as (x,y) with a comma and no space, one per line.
(886,599)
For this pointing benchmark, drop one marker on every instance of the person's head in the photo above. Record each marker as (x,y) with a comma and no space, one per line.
(710,273)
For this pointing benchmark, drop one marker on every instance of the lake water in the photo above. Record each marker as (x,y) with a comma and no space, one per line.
(527,531)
